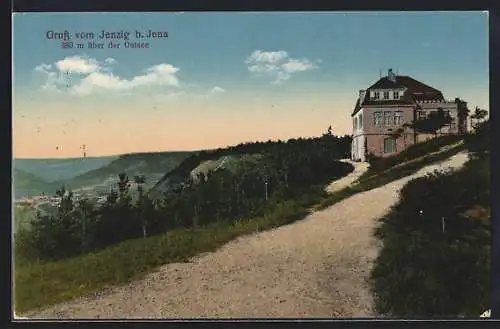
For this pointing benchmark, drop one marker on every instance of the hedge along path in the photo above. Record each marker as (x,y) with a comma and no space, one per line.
(316,267)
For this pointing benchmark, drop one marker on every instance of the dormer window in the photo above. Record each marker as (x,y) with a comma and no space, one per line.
(386,95)
(396,94)
(376,95)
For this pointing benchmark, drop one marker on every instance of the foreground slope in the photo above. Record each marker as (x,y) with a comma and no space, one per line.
(317,267)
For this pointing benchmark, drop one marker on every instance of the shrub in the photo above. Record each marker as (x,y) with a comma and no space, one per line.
(429,269)
(478,141)
(378,164)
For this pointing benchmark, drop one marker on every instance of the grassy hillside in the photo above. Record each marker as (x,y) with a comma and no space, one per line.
(241,190)
(370,179)
(413,152)
(173,180)
(22,216)
(119,263)
(436,255)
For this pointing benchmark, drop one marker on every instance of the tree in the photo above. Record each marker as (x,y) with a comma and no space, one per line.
(328,131)
(432,123)
(478,143)
(478,115)
(123,190)
(84,213)
(55,235)
(67,225)
(462,114)
(140,180)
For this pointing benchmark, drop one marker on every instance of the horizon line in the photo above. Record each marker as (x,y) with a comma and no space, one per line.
(171,151)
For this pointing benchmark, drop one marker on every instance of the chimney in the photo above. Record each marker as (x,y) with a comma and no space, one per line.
(391,76)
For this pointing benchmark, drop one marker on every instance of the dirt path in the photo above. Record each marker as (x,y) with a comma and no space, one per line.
(317,267)
(359,169)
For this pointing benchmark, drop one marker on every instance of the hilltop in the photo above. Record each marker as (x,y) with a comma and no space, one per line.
(241,157)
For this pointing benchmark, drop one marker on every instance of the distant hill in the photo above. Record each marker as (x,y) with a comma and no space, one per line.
(94,177)
(235,163)
(51,170)
(232,159)
(28,184)
(152,165)
(242,156)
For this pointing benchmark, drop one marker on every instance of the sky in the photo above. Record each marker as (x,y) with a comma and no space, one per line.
(221,79)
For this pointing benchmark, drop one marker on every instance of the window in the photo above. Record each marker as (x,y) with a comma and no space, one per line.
(398,118)
(360,121)
(389,145)
(387,118)
(377,119)
(376,95)
(421,115)
(396,94)
(354,123)
(386,95)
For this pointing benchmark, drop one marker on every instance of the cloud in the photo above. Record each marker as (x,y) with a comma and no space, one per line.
(77,64)
(271,57)
(277,64)
(295,65)
(51,78)
(110,61)
(217,89)
(80,75)
(43,68)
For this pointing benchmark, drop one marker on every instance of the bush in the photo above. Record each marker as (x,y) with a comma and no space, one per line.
(378,164)
(478,141)
(428,269)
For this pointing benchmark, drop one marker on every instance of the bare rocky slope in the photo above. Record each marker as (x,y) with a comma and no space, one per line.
(316,267)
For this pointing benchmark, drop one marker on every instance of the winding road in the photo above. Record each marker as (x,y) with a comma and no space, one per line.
(316,267)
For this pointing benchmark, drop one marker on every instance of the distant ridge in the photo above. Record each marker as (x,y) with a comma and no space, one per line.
(36,176)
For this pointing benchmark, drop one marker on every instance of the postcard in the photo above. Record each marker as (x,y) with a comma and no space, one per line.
(251,165)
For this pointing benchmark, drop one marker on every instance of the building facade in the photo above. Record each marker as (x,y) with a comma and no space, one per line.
(383,109)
